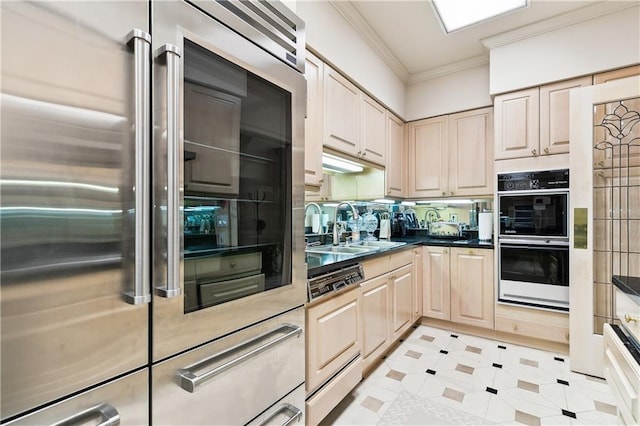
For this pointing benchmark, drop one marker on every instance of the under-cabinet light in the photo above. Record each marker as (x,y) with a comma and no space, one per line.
(340,165)
(444,202)
(384,201)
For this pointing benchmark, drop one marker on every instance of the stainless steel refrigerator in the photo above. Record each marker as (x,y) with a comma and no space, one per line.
(152,267)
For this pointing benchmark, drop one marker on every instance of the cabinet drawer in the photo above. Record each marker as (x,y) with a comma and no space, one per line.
(223,291)
(628,312)
(623,376)
(237,264)
(537,328)
(257,365)
(320,404)
(400,259)
(375,267)
(288,409)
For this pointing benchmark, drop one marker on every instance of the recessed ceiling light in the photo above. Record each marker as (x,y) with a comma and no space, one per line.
(457,14)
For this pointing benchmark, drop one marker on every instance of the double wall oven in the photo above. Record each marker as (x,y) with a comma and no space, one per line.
(533,239)
(152,208)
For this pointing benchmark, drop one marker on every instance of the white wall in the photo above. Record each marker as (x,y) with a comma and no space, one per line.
(460,91)
(607,42)
(329,34)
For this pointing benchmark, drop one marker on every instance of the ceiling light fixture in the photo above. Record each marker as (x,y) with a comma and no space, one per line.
(457,14)
(340,165)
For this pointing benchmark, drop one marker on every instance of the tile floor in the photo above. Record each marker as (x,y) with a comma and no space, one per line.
(437,377)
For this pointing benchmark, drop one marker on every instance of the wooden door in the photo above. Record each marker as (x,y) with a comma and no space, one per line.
(436,289)
(376,297)
(395,170)
(517,121)
(313,124)
(554,115)
(471,153)
(472,287)
(373,138)
(428,157)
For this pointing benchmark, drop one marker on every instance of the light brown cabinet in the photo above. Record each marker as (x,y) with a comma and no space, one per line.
(459,285)
(417,284)
(402,300)
(333,336)
(616,74)
(472,289)
(395,170)
(534,122)
(314,73)
(451,155)
(373,140)
(376,298)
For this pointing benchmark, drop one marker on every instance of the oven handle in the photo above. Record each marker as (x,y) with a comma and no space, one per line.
(535,246)
(191,381)
(172,57)
(532,242)
(293,412)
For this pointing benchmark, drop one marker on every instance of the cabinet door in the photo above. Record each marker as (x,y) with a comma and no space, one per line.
(417,284)
(517,121)
(373,140)
(554,115)
(341,113)
(471,153)
(314,73)
(396,169)
(435,275)
(428,155)
(376,299)
(616,74)
(332,336)
(472,295)
(402,303)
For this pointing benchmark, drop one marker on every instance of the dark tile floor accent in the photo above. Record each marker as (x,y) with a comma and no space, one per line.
(430,371)
(442,351)
(569,414)
(492,390)
(563,382)
(496,365)
(502,347)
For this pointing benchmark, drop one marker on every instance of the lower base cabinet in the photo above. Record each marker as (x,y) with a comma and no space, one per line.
(622,372)
(459,285)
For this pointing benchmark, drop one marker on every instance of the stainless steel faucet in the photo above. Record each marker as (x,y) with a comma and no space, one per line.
(317,206)
(336,236)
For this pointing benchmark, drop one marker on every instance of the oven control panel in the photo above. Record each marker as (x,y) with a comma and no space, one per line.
(334,281)
(532,181)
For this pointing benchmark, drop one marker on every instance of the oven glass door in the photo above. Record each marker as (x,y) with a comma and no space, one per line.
(534,274)
(534,214)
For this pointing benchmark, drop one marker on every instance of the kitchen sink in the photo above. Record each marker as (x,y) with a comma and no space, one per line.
(379,244)
(341,249)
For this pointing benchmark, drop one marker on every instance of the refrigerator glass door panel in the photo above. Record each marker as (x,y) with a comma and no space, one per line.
(228,181)
(232,380)
(125,399)
(70,156)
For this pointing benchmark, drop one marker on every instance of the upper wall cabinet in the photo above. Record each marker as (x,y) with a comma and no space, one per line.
(314,73)
(354,123)
(534,122)
(451,155)
(616,74)
(395,171)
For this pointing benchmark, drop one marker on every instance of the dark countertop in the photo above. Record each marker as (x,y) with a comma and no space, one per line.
(321,263)
(628,285)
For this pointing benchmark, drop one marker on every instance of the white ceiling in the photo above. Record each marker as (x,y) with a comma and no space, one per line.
(412,41)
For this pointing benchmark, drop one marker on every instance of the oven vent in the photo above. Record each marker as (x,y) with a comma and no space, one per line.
(269,24)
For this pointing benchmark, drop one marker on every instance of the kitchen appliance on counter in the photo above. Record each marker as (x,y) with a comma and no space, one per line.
(445,230)
(533,241)
(110,201)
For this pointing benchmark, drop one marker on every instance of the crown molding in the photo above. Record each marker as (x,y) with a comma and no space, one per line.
(561,21)
(454,67)
(353,17)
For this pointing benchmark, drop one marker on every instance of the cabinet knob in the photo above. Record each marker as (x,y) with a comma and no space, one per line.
(364,153)
(534,152)
(566,336)
(471,253)
(451,193)
(233,263)
(515,327)
(321,180)
(359,153)
(446,251)
(444,193)
(628,318)
(546,150)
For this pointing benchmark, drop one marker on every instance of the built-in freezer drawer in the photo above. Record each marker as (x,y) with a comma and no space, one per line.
(288,411)
(234,379)
(125,400)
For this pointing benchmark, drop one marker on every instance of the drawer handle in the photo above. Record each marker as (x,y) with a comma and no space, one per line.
(628,318)
(109,416)
(294,413)
(233,263)
(190,381)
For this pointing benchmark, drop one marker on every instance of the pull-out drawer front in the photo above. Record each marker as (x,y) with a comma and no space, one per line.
(233,379)
(223,291)
(125,398)
(628,312)
(288,411)
(400,259)
(623,376)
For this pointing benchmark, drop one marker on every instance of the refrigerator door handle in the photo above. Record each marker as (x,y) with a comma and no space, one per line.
(172,55)
(190,381)
(109,416)
(292,411)
(140,41)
